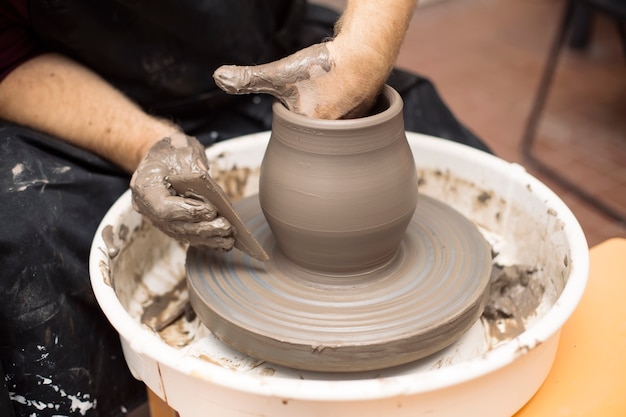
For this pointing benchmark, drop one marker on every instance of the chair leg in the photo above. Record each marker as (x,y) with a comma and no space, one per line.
(546,79)
(532,124)
(622,33)
(581,27)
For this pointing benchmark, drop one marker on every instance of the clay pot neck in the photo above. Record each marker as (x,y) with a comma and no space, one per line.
(345,136)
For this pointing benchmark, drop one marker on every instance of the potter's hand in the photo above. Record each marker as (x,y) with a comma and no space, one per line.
(337,79)
(185,218)
(313,82)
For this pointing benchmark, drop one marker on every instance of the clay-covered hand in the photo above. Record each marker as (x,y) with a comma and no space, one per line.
(337,79)
(317,81)
(186,218)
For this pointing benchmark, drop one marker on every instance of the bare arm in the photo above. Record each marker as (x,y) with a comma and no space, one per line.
(367,40)
(377,25)
(56,95)
(336,79)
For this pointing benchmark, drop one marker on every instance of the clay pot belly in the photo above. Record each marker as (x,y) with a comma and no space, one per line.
(339,194)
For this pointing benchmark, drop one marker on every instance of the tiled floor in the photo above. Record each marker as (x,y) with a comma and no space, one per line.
(486,58)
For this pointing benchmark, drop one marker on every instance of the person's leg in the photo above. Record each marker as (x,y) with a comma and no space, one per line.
(59,354)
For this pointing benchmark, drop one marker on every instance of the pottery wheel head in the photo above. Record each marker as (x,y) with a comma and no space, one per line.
(424,299)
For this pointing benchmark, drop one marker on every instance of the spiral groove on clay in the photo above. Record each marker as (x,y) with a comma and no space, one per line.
(421,301)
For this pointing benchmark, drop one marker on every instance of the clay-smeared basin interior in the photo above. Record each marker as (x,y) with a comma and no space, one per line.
(138,275)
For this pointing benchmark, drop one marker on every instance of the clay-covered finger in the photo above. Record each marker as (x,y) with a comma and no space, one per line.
(245,79)
(216,227)
(216,242)
(198,209)
(184,210)
(278,78)
(205,229)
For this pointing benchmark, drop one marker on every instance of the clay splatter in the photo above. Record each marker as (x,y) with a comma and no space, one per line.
(233,181)
(80,403)
(515,294)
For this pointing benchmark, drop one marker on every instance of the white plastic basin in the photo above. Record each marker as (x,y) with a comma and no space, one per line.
(197,375)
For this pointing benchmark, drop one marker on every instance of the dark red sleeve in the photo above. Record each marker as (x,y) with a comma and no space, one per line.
(17,41)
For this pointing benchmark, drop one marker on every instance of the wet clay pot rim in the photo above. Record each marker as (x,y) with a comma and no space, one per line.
(388,106)
(379,115)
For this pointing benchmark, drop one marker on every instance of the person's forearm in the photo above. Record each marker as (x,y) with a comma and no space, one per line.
(376,29)
(60,97)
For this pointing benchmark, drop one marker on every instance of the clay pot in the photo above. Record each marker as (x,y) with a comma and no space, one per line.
(339,194)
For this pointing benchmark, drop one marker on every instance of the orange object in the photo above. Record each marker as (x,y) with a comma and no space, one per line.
(588,377)
(158,407)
